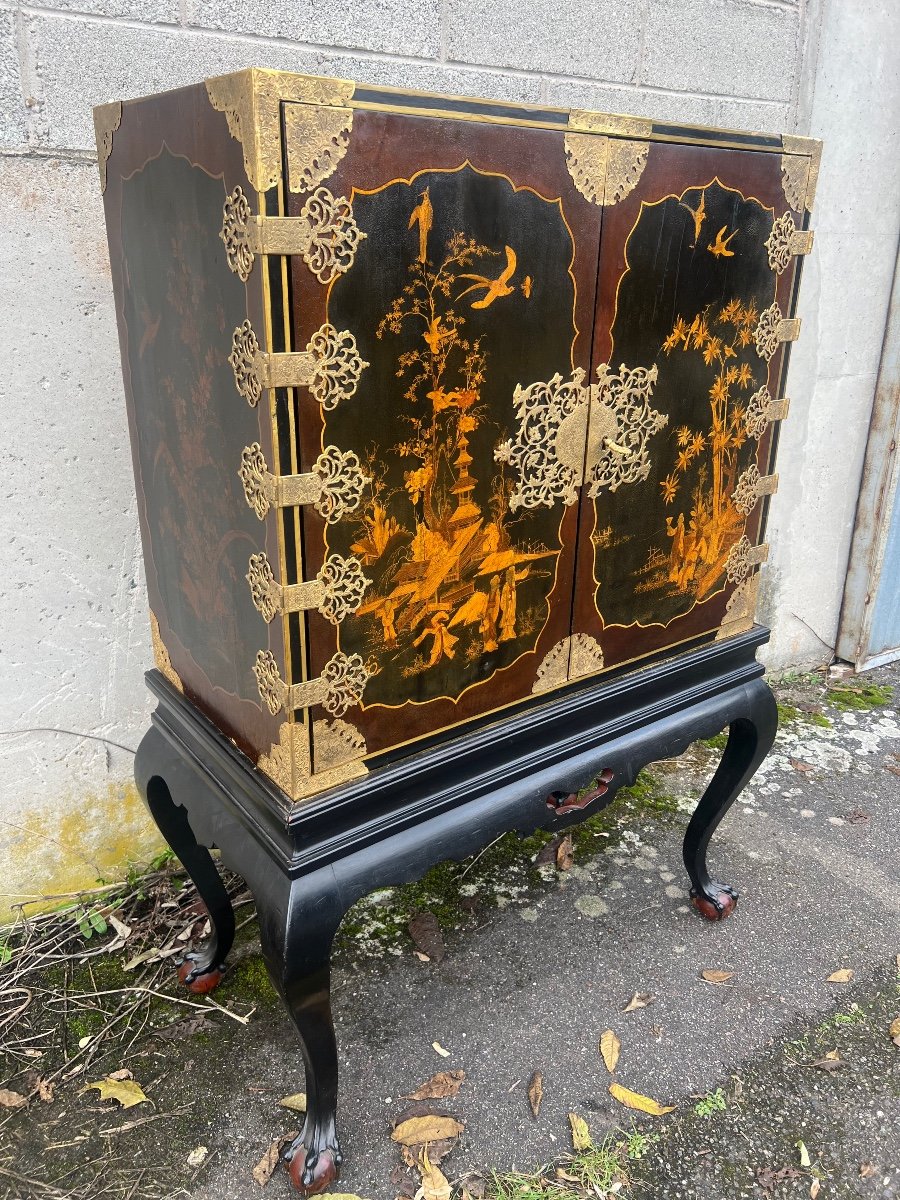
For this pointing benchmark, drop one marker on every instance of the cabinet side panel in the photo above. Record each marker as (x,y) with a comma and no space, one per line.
(171,168)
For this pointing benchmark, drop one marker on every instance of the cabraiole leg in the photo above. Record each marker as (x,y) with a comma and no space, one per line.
(750,737)
(201,970)
(296,933)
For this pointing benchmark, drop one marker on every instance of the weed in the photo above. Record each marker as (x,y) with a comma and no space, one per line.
(714,1102)
(637,1144)
(593,1172)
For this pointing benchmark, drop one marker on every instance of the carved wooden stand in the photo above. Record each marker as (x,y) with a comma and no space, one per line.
(308,865)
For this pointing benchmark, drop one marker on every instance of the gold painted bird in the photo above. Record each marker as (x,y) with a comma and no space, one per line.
(720,248)
(435,336)
(423,213)
(493,288)
(698,213)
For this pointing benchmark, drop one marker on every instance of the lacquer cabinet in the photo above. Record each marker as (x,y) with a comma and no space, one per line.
(453,425)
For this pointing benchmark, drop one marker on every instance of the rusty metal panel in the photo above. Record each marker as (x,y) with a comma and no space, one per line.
(869,632)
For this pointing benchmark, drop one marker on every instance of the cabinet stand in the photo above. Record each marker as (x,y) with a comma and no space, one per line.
(307,864)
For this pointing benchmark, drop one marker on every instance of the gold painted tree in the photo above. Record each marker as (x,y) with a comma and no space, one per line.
(456,572)
(700,543)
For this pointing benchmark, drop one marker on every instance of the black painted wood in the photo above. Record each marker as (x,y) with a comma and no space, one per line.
(307,864)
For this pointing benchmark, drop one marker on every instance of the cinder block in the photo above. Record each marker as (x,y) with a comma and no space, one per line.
(721,46)
(74,616)
(12,102)
(433,77)
(723,112)
(148,11)
(413,29)
(81,64)
(597,41)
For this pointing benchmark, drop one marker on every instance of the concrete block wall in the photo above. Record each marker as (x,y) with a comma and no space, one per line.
(73,633)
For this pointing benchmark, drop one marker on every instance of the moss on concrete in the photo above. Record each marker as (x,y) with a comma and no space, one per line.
(859,696)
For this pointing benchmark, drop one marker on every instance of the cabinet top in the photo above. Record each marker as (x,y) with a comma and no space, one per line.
(251,96)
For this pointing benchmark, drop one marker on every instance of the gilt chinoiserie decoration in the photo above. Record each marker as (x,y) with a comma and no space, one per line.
(443,413)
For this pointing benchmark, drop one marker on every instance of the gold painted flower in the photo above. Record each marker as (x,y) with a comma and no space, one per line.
(669,488)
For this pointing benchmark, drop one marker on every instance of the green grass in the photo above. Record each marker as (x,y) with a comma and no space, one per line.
(589,1173)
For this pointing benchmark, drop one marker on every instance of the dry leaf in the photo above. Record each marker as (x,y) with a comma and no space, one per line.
(420,956)
(126,1091)
(805,1160)
(426,933)
(638,1000)
(198,1156)
(866,1170)
(123,930)
(439,1049)
(297,1102)
(581,1135)
(609,1049)
(636,1100)
(536,1092)
(717,976)
(419,1130)
(435,1185)
(894,1031)
(814,1189)
(565,853)
(122,1073)
(148,956)
(844,975)
(262,1172)
(831,1062)
(445,1083)
(10,1099)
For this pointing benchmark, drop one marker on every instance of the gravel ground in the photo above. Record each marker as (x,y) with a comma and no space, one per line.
(540,965)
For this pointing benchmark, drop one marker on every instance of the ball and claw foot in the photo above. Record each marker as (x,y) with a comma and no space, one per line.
(198,976)
(715,902)
(312,1170)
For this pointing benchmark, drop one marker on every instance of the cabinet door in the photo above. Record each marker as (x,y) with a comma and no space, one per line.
(455,265)
(697,267)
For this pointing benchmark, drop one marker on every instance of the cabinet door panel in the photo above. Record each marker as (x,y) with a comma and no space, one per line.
(476,276)
(693,287)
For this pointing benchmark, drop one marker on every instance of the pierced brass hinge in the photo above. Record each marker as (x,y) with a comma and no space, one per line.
(329,366)
(325,234)
(762,410)
(773,329)
(334,486)
(337,591)
(751,487)
(785,241)
(742,557)
(338,688)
